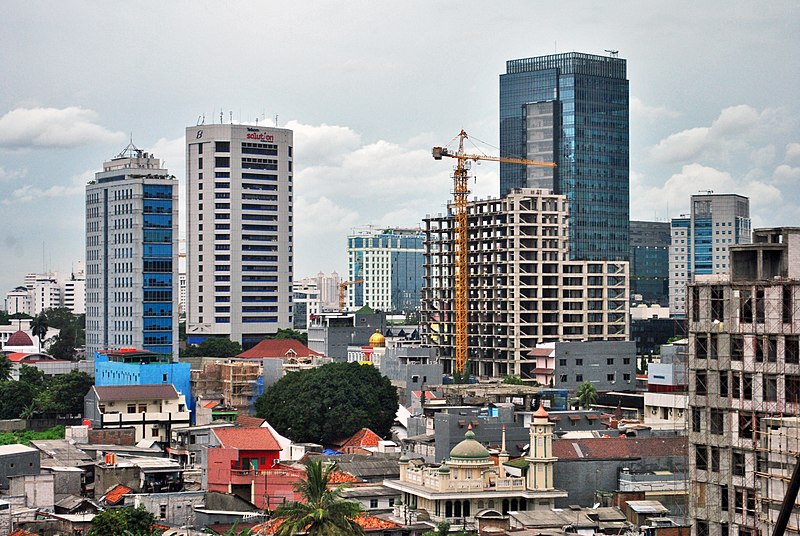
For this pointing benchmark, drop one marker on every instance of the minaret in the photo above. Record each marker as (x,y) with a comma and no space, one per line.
(503,457)
(540,454)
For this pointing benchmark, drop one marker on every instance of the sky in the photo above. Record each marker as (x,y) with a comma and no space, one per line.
(368,88)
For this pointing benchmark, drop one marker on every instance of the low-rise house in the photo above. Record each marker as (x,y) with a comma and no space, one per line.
(574,520)
(139,474)
(151,410)
(16,460)
(246,462)
(374,499)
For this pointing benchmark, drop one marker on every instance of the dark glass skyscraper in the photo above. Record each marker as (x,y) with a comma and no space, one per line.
(572,109)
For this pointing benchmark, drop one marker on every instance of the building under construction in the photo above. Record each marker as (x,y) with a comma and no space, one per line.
(237,383)
(522,288)
(744,387)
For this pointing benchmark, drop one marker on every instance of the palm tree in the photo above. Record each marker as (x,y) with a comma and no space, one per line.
(39,328)
(323,511)
(587,395)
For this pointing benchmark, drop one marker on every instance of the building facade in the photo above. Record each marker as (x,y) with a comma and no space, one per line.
(389,264)
(744,385)
(572,109)
(700,241)
(131,256)
(650,241)
(240,228)
(523,288)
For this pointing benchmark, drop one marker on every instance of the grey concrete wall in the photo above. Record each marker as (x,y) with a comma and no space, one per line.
(18,464)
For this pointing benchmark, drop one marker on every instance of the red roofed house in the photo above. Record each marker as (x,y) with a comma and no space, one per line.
(246,462)
(363,439)
(279,348)
(545,364)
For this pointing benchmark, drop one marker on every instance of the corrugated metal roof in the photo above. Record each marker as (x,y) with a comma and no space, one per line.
(136,392)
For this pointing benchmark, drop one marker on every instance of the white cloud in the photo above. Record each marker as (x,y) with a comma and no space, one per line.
(793,152)
(7,175)
(640,110)
(323,144)
(29,192)
(53,127)
(738,131)
(785,174)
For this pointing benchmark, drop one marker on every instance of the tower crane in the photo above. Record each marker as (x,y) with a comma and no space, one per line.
(343,288)
(460,194)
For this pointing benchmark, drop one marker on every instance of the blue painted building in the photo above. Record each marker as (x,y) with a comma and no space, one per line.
(137,367)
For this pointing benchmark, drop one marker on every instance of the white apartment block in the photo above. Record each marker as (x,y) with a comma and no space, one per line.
(240,232)
(131,256)
(328,290)
(523,289)
(49,291)
(700,241)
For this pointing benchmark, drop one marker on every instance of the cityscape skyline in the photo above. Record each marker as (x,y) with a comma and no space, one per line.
(729,124)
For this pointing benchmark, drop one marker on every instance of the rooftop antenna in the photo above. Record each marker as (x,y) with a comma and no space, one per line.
(612,53)
(198,119)
(230,116)
(220,116)
(276,120)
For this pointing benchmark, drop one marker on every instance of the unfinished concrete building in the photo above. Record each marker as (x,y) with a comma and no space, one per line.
(523,289)
(237,383)
(744,387)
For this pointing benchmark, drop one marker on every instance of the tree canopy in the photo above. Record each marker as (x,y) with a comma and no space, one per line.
(34,394)
(287,333)
(214,347)
(72,332)
(586,394)
(330,403)
(122,521)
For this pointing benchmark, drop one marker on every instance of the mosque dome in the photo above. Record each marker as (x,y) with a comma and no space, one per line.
(19,338)
(377,340)
(469,449)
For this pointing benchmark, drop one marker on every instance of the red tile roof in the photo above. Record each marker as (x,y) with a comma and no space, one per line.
(368,522)
(19,338)
(136,392)
(363,438)
(541,352)
(23,532)
(619,448)
(116,494)
(247,438)
(248,421)
(280,348)
(342,477)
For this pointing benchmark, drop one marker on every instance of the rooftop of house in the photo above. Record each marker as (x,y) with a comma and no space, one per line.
(107,393)
(363,438)
(246,438)
(619,448)
(278,348)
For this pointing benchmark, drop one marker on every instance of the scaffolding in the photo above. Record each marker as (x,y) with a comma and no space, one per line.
(744,393)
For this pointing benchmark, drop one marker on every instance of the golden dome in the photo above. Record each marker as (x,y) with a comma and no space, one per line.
(377,340)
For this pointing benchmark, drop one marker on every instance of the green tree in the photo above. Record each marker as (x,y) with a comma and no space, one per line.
(215,347)
(16,397)
(39,328)
(442,529)
(513,379)
(323,511)
(64,394)
(124,521)
(287,333)
(5,368)
(586,394)
(329,403)
(63,347)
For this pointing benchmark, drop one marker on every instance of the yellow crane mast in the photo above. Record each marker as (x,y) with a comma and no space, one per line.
(343,290)
(460,194)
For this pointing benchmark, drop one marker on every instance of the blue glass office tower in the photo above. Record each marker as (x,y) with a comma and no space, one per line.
(572,109)
(131,256)
(391,264)
(650,241)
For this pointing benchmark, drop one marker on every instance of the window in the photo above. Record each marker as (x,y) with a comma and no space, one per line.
(562,362)
(717,422)
(723,498)
(154,432)
(142,408)
(701,382)
(610,361)
(792,349)
(770,388)
(626,361)
(373,503)
(715,459)
(793,389)
(702,528)
(579,362)
(701,457)
(562,378)
(738,463)
(746,306)
(701,346)
(723,384)
(737,347)
(626,377)
(717,304)
(696,420)
(747,386)
(131,408)
(746,428)
(579,377)
(162,511)
(610,377)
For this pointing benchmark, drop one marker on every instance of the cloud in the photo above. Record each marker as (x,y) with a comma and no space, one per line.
(323,144)
(53,128)
(785,174)
(793,152)
(738,132)
(640,110)
(7,175)
(29,192)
